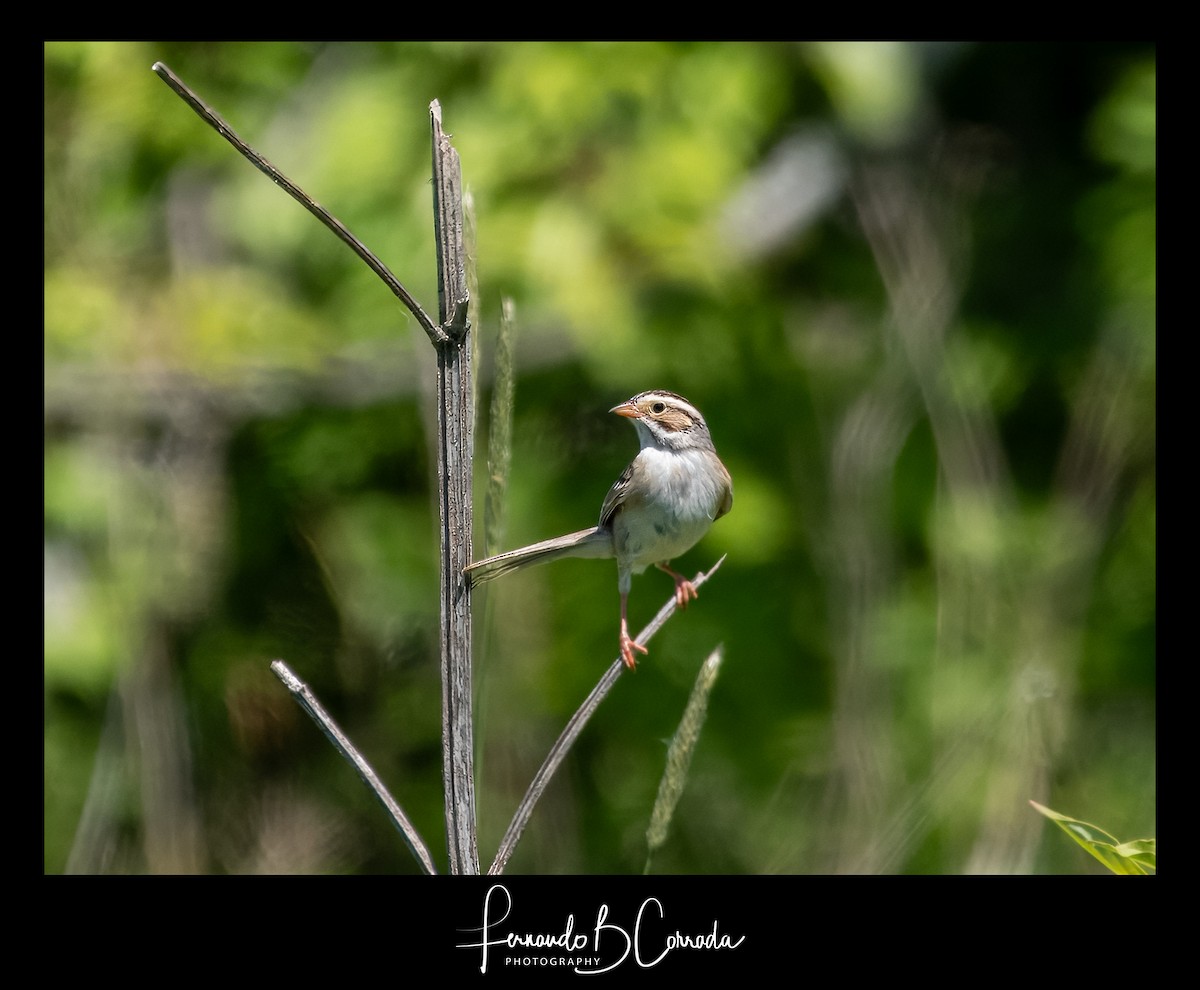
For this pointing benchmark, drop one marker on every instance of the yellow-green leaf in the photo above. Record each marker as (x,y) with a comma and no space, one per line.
(1129,858)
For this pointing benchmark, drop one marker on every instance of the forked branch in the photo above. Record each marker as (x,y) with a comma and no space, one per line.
(215,121)
(451,340)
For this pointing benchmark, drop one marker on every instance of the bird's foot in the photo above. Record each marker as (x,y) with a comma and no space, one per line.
(685,591)
(628,645)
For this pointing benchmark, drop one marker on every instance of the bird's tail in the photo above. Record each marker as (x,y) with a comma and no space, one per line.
(594,542)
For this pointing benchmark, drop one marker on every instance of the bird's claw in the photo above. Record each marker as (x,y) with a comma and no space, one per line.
(628,645)
(685,591)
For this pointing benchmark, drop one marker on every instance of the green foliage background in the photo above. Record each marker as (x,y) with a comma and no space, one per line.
(912,287)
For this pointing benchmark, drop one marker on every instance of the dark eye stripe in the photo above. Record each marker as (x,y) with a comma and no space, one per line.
(661,403)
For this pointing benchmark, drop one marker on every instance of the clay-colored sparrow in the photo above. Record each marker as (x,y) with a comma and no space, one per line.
(659,508)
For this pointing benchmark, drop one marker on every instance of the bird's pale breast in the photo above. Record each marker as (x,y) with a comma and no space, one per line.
(678,506)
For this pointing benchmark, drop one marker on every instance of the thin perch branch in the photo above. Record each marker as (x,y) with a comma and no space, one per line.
(214,120)
(308,701)
(573,728)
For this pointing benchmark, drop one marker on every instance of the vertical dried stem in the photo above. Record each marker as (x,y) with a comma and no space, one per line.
(455,449)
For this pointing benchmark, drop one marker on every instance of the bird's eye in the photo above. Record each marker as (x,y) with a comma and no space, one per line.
(658,407)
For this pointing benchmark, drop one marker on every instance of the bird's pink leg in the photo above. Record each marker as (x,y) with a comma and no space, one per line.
(685,591)
(628,643)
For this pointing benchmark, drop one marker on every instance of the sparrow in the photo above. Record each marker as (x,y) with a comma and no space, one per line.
(659,508)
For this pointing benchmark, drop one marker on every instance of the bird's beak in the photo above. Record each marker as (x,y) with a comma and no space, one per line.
(626,409)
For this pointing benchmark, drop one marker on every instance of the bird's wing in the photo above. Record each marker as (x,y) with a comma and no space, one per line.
(727,501)
(616,496)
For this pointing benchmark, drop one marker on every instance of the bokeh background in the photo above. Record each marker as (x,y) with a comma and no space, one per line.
(912,288)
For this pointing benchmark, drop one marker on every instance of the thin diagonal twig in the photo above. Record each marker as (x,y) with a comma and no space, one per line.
(572,730)
(214,120)
(308,701)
